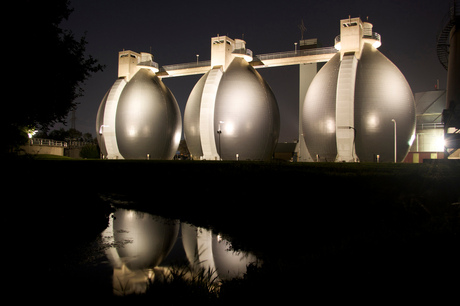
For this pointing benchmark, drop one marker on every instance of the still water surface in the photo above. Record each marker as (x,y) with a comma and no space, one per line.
(141,247)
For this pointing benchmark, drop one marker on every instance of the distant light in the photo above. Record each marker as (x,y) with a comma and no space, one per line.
(440,143)
(101,128)
(376,44)
(153,69)
(31,133)
(248,58)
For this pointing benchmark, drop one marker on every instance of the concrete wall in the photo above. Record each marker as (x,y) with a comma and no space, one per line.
(37,149)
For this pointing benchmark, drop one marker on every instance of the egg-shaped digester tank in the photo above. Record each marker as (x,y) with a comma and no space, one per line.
(247,113)
(148,119)
(138,117)
(352,104)
(232,115)
(382,94)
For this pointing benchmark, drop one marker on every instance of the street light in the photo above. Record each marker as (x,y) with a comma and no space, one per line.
(394,121)
(219,131)
(101,128)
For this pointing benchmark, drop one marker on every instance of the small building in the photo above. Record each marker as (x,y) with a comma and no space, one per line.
(428,141)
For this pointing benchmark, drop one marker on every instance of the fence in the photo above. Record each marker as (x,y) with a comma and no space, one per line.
(57,143)
(47,142)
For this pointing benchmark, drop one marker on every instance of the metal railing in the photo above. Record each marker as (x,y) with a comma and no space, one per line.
(187,65)
(296,53)
(374,36)
(243,51)
(430,125)
(47,142)
(76,143)
(261,57)
(149,64)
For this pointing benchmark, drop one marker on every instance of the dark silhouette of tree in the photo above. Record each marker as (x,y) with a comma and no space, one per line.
(48,69)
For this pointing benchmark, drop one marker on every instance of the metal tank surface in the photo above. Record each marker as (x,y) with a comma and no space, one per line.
(232,115)
(139,119)
(318,114)
(358,102)
(148,119)
(381,95)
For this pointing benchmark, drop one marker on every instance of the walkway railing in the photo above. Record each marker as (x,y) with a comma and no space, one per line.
(374,36)
(296,53)
(47,142)
(57,143)
(261,57)
(187,65)
(149,64)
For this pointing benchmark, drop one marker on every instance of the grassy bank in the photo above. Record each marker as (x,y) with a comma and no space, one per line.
(355,230)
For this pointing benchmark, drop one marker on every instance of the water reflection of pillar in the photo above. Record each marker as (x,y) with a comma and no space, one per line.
(198,247)
(207,251)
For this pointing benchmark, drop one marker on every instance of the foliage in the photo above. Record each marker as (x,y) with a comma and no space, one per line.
(58,68)
(65,135)
(179,285)
(90,150)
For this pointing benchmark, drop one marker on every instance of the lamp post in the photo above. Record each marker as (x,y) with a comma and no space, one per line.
(219,131)
(394,121)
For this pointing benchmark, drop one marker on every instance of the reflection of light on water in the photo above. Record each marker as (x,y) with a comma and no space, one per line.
(126,281)
(204,252)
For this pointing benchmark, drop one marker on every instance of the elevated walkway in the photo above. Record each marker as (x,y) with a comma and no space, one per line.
(260,61)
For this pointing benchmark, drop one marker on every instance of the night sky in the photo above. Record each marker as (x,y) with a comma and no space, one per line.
(176,31)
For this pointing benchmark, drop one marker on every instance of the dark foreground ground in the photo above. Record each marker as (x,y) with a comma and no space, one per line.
(325,232)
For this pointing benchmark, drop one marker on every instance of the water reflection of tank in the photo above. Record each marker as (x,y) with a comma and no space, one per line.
(229,263)
(147,239)
(231,112)
(207,251)
(139,117)
(350,104)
